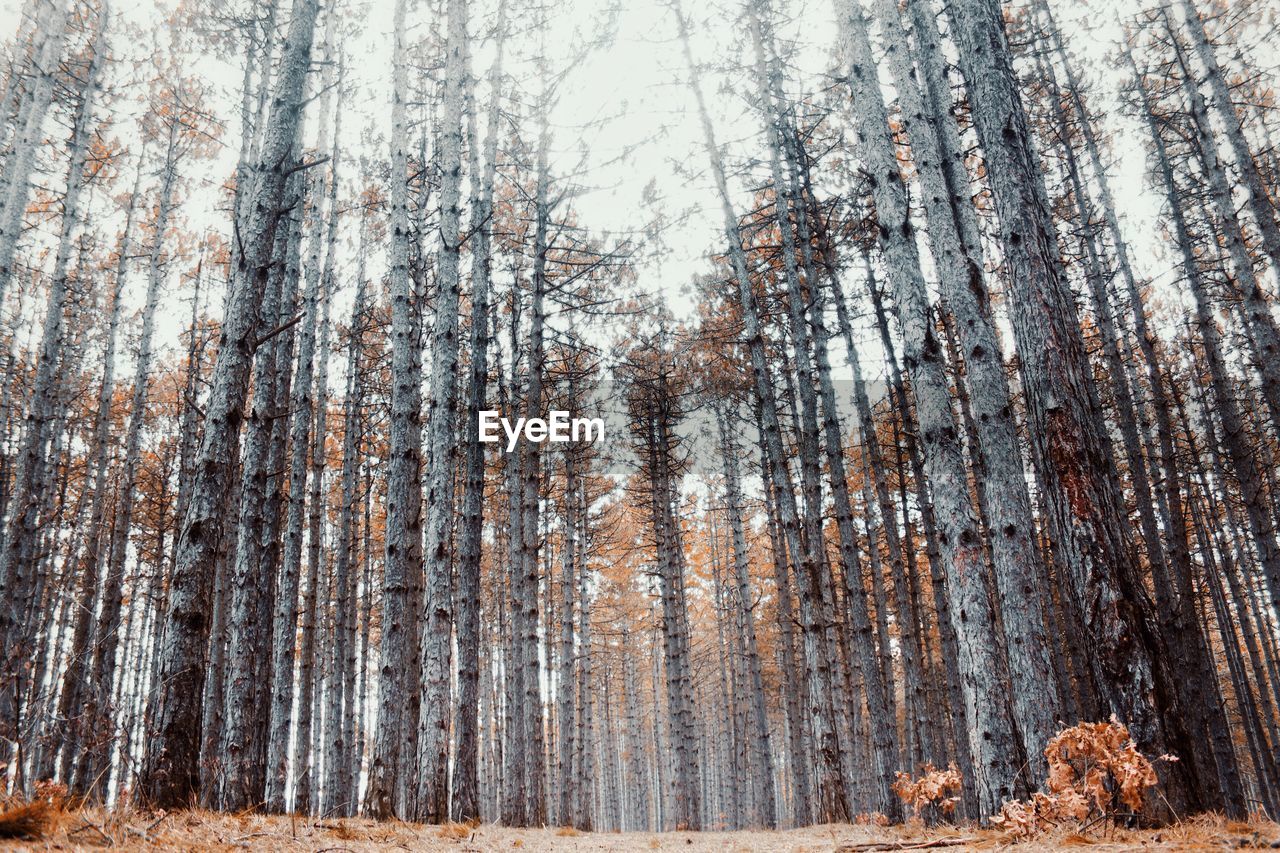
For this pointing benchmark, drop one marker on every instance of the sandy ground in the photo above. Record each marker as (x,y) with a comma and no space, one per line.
(206,831)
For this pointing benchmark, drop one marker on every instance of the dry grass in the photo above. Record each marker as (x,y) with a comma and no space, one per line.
(125,829)
(455,831)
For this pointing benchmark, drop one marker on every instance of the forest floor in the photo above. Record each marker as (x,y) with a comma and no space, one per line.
(209,831)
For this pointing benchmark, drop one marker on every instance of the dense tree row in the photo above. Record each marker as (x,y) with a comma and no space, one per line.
(948,455)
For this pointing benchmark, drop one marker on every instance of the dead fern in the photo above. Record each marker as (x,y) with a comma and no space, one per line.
(934,795)
(1096,777)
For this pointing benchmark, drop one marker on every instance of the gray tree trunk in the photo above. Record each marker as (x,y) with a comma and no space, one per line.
(991,736)
(387,792)
(762,761)
(31,485)
(832,804)
(1071,451)
(77,683)
(301,419)
(437,645)
(170,776)
(1019,571)
(1180,627)
(240,751)
(466,795)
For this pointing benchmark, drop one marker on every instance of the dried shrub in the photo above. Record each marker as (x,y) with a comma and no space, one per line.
(1096,775)
(27,821)
(934,795)
(53,793)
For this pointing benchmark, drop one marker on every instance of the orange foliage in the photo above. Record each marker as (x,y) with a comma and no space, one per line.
(1094,769)
(937,791)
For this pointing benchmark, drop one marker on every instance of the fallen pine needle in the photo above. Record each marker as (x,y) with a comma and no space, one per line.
(870,846)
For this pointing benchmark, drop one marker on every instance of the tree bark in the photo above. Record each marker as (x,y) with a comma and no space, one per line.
(170,776)
(387,793)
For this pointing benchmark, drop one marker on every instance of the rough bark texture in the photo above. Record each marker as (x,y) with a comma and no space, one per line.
(1019,572)
(170,776)
(387,794)
(991,733)
(433,738)
(1071,452)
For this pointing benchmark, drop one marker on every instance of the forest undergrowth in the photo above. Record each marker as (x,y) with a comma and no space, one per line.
(201,830)
(1102,792)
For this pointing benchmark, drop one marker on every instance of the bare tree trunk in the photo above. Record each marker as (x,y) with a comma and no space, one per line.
(170,776)
(991,733)
(437,646)
(1175,608)
(530,706)
(565,704)
(19,550)
(346,558)
(1019,572)
(832,804)
(466,795)
(762,771)
(880,705)
(241,752)
(1253,303)
(515,735)
(1244,464)
(584,761)
(793,678)
(306,778)
(302,418)
(1071,451)
(78,682)
(387,794)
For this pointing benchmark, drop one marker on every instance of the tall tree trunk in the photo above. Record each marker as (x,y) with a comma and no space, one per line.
(301,419)
(31,486)
(77,684)
(241,752)
(170,776)
(1070,448)
(437,646)
(832,804)
(991,736)
(1175,607)
(1019,572)
(762,759)
(387,792)
(1253,303)
(466,795)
